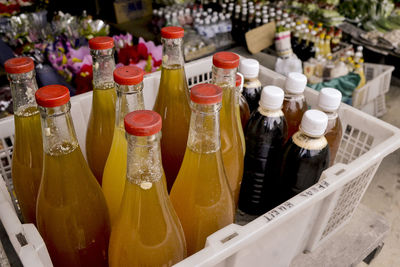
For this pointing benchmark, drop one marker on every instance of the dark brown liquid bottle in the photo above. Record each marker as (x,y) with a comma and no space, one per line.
(329,101)
(294,103)
(251,86)
(305,156)
(265,135)
(244,109)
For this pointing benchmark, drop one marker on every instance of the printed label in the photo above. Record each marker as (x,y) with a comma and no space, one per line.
(272,214)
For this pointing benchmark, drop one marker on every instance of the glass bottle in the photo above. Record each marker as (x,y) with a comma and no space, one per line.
(294,104)
(102,116)
(238,96)
(329,100)
(244,109)
(265,136)
(201,195)
(147,231)
(224,75)
(251,86)
(27,158)
(305,156)
(129,84)
(71,210)
(172,103)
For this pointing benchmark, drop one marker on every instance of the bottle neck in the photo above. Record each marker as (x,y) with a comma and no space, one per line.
(332,115)
(292,96)
(58,130)
(172,55)
(23,88)
(144,165)
(204,133)
(129,98)
(224,78)
(103,68)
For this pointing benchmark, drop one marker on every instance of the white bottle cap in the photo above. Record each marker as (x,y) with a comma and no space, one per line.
(249,68)
(314,122)
(295,83)
(271,98)
(329,99)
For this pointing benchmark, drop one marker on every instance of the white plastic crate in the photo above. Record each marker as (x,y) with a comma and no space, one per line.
(371,97)
(301,223)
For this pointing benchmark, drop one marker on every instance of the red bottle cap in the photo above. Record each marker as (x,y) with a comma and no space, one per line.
(128,75)
(172,32)
(51,96)
(101,43)
(19,65)
(206,93)
(226,60)
(238,80)
(142,123)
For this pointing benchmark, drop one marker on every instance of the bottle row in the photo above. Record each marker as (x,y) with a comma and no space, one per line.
(113,209)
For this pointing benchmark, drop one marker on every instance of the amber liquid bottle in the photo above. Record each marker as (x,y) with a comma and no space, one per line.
(100,129)
(71,210)
(252,86)
(27,159)
(265,137)
(224,75)
(329,101)
(305,156)
(129,85)
(294,103)
(147,231)
(172,103)
(201,195)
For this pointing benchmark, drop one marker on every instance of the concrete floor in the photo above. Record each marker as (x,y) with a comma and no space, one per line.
(383,194)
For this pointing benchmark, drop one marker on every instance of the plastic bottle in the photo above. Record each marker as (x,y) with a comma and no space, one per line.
(172,103)
(265,136)
(252,86)
(201,195)
(71,210)
(329,100)
(129,81)
(244,109)
(102,116)
(224,75)
(147,231)
(305,156)
(294,104)
(27,158)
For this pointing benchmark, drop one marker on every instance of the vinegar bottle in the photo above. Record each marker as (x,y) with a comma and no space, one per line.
(71,211)
(147,231)
(201,195)
(100,129)
(329,101)
(129,85)
(224,75)
(265,137)
(244,109)
(172,103)
(251,86)
(294,103)
(27,159)
(305,156)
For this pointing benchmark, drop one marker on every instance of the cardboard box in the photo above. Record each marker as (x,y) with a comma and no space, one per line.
(131,9)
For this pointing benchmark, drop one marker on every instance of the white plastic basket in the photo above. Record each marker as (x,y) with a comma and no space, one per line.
(371,97)
(301,223)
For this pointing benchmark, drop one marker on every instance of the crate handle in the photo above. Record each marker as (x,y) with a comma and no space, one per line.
(337,169)
(223,236)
